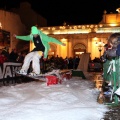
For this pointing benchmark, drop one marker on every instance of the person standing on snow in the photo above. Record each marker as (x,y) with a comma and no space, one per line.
(41,43)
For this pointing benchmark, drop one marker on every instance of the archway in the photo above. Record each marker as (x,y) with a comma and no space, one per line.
(79,49)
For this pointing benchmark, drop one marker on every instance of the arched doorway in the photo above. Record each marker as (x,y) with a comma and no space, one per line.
(79,49)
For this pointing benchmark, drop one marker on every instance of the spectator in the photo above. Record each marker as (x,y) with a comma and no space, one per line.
(3,58)
(66,61)
(5,52)
(13,55)
(21,56)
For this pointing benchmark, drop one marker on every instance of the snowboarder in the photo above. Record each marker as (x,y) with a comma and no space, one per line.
(41,43)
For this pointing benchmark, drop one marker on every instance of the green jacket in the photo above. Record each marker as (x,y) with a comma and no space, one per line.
(45,40)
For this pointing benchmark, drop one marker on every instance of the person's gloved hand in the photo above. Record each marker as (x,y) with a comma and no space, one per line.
(44,59)
(14,35)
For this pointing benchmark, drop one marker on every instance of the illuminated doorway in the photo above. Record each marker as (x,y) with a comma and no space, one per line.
(79,49)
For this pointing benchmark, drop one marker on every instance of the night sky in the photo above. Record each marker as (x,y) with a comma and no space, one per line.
(75,12)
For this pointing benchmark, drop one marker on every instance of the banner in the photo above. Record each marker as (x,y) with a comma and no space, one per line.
(8,69)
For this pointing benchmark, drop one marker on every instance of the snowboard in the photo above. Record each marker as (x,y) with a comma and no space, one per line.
(43,77)
(40,77)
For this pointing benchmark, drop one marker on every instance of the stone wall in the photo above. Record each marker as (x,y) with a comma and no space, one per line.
(11,22)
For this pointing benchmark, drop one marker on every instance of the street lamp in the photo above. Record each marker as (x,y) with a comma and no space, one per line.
(100,46)
(118,10)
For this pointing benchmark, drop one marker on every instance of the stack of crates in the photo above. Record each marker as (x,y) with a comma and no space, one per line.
(109,76)
(51,80)
(113,76)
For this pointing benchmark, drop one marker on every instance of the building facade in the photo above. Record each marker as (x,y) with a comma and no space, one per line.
(10,23)
(83,38)
(18,21)
(89,38)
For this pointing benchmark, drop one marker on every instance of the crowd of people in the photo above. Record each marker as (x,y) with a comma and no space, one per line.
(61,63)
(13,56)
(51,62)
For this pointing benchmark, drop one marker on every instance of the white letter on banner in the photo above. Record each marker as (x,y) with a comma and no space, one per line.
(8,72)
(15,68)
